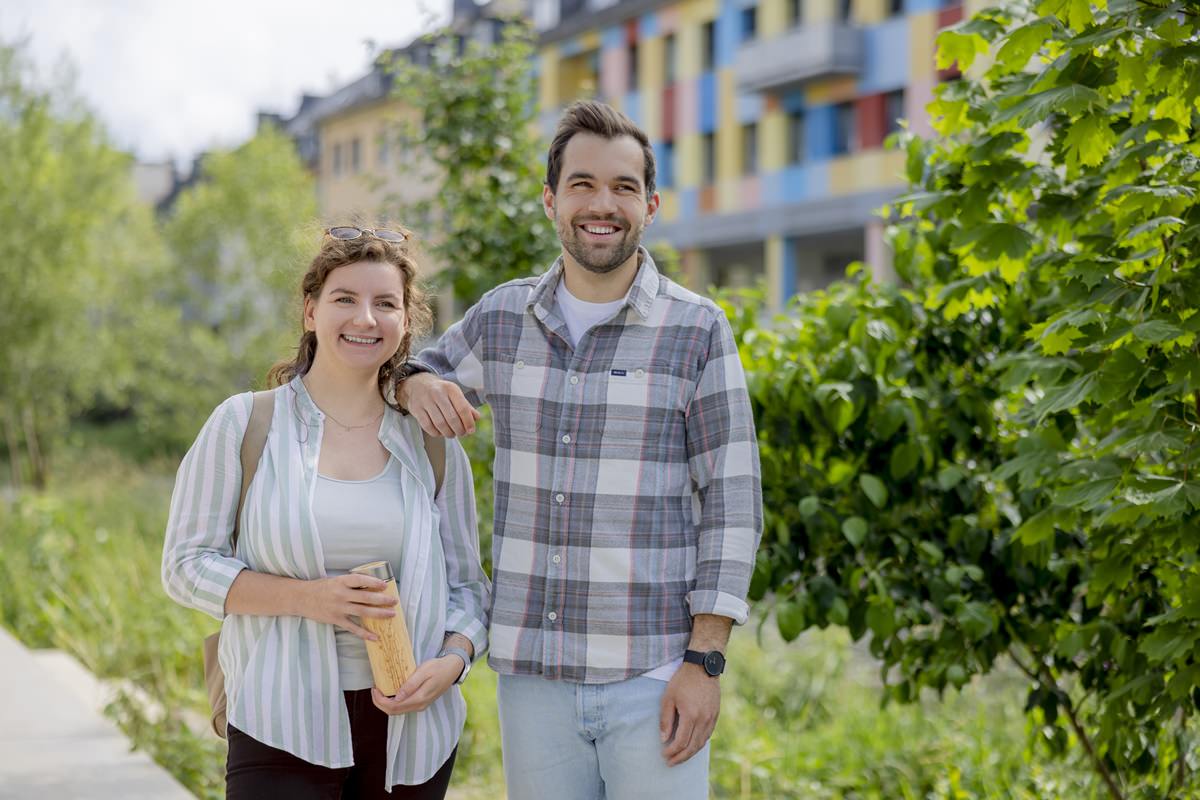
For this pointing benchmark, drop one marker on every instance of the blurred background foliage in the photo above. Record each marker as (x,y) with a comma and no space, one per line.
(980,483)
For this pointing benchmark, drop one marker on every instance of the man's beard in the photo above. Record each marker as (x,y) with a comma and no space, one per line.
(596,259)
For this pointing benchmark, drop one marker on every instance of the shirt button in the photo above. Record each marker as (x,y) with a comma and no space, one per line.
(641,373)
(552,616)
(574,379)
(566,438)
(556,558)
(560,497)
(520,365)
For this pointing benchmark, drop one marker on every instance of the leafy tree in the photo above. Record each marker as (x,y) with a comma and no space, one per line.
(77,242)
(1000,460)
(475,124)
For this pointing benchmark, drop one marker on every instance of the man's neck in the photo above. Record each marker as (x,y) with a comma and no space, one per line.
(594,287)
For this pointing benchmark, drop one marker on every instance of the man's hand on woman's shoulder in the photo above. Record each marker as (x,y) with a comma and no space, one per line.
(439,406)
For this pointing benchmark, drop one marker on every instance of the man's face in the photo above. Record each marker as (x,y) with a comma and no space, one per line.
(600,206)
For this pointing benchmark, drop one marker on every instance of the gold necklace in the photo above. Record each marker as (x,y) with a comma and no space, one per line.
(353,427)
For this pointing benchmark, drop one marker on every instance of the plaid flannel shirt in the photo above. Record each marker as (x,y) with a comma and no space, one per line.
(627,485)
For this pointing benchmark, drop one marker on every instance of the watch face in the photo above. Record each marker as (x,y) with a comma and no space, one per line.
(714,663)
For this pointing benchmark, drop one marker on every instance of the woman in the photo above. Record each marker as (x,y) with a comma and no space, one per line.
(343,480)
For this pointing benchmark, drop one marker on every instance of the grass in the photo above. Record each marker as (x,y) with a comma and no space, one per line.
(79,572)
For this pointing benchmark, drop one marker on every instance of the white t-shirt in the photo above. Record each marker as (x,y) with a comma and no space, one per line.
(580,316)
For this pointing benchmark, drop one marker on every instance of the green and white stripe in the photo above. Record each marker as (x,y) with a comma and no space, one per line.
(281,673)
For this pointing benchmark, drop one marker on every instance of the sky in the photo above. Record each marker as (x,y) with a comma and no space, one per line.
(171,78)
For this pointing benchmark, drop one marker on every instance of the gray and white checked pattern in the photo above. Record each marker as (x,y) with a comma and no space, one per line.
(627,482)
(281,673)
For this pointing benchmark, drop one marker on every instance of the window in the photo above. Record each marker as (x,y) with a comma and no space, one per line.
(632,83)
(355,155)
(709,155)
(749,23)
(893,111)
(845,10)
(708,52)
(337,159)
(845,135)
(795,13)
(749,149)
(796,137)
(666,169)
(895,8)
(669,59)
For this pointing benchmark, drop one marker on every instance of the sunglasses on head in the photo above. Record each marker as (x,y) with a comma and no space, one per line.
(348,233)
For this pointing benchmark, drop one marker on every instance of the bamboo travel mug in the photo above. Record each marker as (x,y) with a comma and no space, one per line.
(392,656)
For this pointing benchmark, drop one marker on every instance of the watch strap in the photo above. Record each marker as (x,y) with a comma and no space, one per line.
(461,653)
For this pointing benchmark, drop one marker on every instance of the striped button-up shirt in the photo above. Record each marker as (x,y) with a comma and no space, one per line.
(626,475)
(281,673)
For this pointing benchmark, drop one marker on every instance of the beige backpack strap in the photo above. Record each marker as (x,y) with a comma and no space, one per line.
(435,449)
(253,442)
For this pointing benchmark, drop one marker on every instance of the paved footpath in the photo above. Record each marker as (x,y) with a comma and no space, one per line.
(56,745)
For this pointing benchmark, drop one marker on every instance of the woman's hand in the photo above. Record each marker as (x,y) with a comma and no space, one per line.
(339,599)
(429,682)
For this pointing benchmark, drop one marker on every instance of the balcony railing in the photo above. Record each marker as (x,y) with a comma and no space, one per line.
(803,54)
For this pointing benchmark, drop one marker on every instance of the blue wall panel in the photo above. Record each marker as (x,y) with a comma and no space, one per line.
(633,107)
(648,26)
(613,38)
(571,47)
(707,91)
(885,57)
(819,126)
(789,269)
(772,188)
(792,101)
(749,107)
(689,203)
(915,6)
(729,32)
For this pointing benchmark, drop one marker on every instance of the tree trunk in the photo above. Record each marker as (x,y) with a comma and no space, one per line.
(36,461)
(13,441)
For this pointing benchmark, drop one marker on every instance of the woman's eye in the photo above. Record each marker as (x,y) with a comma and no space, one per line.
(344,300)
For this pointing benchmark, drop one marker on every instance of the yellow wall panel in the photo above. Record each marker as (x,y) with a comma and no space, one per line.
(772,140)
(772,18)
(774,270)
(873,169)
(548,78)
(650,65)
(668,207)
(729,194)
(688,155)
(729,133)
(819,10)
(697,11)
(834,90)
(869,12)
(922,31)
(688,43)
(589,40)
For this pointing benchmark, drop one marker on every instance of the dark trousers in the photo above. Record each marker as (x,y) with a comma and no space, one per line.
(255,771)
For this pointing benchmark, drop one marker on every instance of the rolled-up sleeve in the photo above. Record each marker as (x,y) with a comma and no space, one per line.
(458,356)
(469,588)
(724,467)
(198,565)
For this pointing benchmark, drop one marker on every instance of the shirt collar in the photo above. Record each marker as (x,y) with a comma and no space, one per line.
(640,296)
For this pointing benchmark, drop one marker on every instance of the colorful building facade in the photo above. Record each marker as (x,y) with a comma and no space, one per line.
(767,117)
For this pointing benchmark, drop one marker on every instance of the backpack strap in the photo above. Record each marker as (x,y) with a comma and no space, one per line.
(253,442)
(435,450)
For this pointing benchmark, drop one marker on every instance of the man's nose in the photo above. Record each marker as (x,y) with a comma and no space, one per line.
(603,201)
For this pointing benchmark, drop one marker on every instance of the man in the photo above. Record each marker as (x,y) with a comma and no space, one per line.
(628,502)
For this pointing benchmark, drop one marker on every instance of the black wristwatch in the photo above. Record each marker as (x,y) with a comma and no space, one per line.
(713,661)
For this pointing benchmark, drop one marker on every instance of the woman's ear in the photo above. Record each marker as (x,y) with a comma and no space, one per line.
(310,319)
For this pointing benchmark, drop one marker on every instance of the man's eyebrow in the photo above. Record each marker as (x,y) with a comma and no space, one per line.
(628,179)
(584,175)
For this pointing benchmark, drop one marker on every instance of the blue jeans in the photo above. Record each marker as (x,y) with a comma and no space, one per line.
(574,741)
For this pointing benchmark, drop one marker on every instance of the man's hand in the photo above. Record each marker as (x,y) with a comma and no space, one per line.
(689,713)
(439,406)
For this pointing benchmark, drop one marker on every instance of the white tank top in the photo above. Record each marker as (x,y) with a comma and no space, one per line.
(358,521)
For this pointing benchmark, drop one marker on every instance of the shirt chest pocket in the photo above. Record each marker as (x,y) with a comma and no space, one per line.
(643,406)
(526,391)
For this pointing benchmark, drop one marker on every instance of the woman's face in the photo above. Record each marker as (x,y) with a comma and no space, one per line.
(359,316)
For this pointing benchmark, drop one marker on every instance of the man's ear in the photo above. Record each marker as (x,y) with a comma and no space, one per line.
(652,207)
(548,200)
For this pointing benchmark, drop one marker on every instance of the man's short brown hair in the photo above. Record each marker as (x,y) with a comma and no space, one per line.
(600,119)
